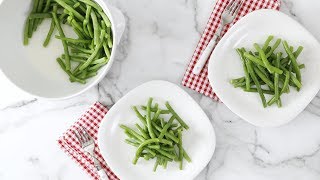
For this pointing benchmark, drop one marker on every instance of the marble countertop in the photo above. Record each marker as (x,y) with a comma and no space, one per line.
(163,34)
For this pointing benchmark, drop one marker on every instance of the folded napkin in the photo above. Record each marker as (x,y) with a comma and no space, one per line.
(200,83)
(90,121)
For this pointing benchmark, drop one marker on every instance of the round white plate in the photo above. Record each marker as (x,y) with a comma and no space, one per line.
(225,64)
(199,141)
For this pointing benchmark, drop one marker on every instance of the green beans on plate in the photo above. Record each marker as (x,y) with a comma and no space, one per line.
(268,71)
(157,138)
(85,54)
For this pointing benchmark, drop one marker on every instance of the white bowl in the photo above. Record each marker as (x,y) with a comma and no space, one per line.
(225,64)
(199,140)
(33,68)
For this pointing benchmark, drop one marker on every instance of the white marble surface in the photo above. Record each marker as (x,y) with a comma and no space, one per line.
(163,34)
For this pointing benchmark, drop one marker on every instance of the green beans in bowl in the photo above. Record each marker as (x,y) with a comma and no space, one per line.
(58,48)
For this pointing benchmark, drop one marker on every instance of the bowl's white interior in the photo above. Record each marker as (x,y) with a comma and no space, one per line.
(33,68)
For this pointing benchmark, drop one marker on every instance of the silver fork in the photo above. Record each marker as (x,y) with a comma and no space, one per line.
(87,144)
(227,17)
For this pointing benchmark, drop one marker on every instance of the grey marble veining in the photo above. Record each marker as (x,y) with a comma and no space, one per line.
(164,34)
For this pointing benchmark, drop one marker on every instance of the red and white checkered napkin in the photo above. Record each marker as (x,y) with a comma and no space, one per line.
(200,83)
(90,120)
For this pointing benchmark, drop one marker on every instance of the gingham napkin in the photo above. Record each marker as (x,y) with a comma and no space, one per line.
(200,83)
(90,120)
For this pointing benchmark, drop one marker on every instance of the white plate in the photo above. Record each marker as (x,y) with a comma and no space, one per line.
(225,65)
(199,141)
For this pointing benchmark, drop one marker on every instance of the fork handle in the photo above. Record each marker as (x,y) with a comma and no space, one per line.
(102,175)
(205,54)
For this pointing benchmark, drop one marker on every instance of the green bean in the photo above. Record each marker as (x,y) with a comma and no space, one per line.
(276,44)
(162,122)
(156,115)
(132,136)
(25,33)
(147,156)
(105,19)
(263,70)
(99,61)
(106,50)
(87,17)
(97,66)
(64,43)
(237,80)
(75,24)
(109,42)
(186,156)
(165,164)
(156,165)
(293,60)
(167,134)
(91,74)
(296,54)
(259,61)
(93,4)
(80,75)
(48,37)
(143,133)
(168,148)
(142,119)
(31,23)
(166,154)
(263,78)
(155,110)
(301,66)
(264,58)
(267,50)
(180,149)
(176,116)
(95,28)
(149,125)
(74,40)
(266,44)
(39,15)
(128,141)
(156,133)
(146,142)
(63,66)
(166,127)
(87,51)
(90,59)
(76,5)
(239,84)
(256,82)
(135,134)
(276,81)
(47,6)
(80,55)
(63,18)
(247,77)
(90,30)
(263,90)
(37,21)
(70,9)
(163,157)
(155,147)
(295,80)
(79,60)
(298,51)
